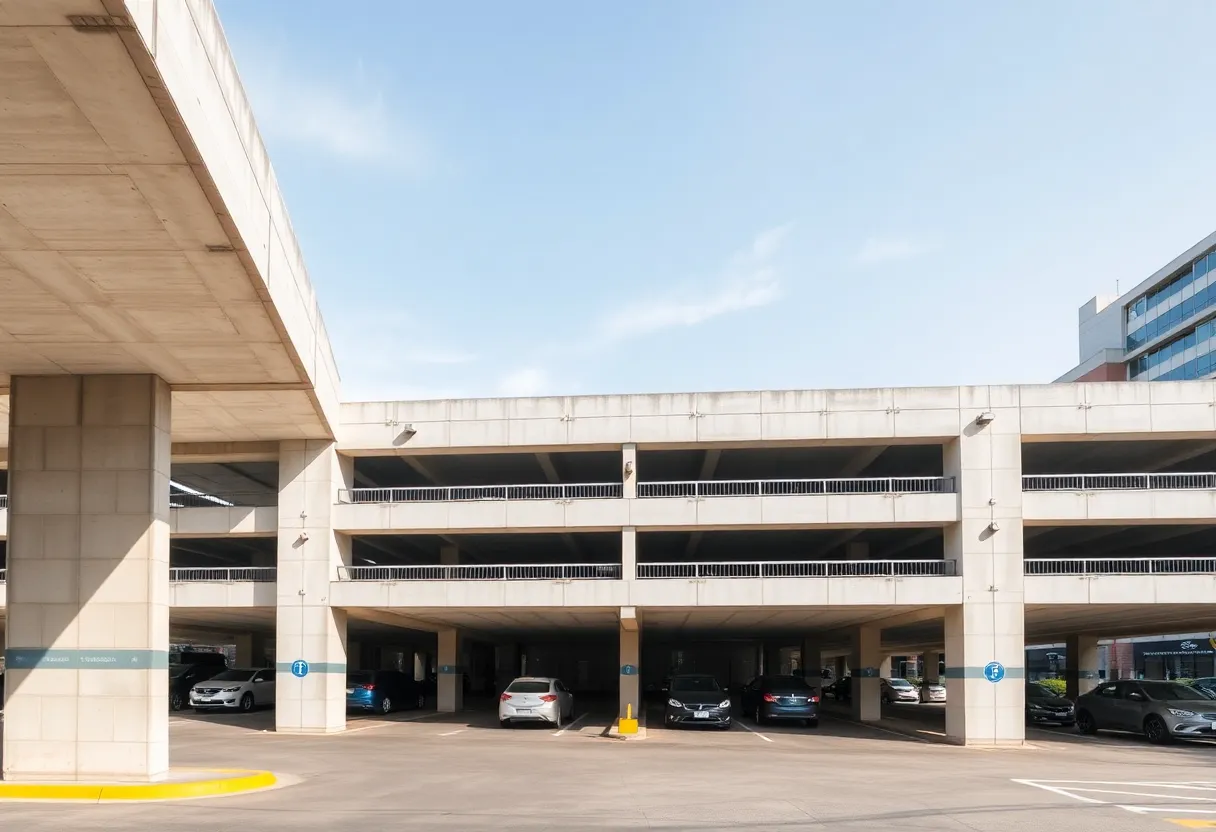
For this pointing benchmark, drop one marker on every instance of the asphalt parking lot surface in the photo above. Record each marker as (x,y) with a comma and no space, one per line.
(425,771)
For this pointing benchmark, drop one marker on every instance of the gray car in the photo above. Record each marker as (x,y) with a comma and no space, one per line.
(1162,711)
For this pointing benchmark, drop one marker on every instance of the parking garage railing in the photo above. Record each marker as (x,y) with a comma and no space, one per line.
(223,575)
(480,572)
(474,493)
(241,499)
(800,569)
(783,488)
(1117,482)
(1085,567)
(3,501)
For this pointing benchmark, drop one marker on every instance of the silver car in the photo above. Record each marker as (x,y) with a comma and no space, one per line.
(239,689)
(1162,711)
(535,699)
(899,690)
(932,692)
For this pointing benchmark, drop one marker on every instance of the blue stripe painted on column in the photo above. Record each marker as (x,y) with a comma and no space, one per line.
(978,673)
(313,667)
(43,658)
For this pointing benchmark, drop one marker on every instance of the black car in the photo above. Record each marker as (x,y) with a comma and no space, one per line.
(697,699)
(781,697)
(182,677)
(1043,705)
(841,690)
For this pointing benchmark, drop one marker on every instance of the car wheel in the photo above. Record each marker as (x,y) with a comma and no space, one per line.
(1156,731)
(175,702)
(247,703)
(886,700)
(1086,724)
(421,701)
(725,727)
(504,723)
(758,716)
(386,705)
(812,723)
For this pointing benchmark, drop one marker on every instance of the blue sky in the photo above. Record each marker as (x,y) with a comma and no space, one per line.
(549,197)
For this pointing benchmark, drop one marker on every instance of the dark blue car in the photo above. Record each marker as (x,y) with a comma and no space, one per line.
(383,691)
(781,698)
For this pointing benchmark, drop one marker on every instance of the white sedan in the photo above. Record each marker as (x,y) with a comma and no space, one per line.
(535,699)
(236,689)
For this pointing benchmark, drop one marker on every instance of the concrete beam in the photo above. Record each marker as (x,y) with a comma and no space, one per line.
(694,541)
(546,465)
(422,470)
(709,464)
(185,453)
(861,460)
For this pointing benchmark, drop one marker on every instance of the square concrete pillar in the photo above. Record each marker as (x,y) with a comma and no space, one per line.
(310,633)
(811,661)
(1080,665)
(86,685)
(866,690)
(988,629)
(629,470)
(629,553)
(772,660)
(840,667)
(884,668)
(451,672)
(250,650)
(932,665)
(630,664)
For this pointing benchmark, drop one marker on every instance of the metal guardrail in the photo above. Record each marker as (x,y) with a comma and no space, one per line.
(223,575)
(781,488)
(800,569)
(474,493)
(3,575)
(1117,482)
(1120,566)
(477,572)
(3,501)
(236,499)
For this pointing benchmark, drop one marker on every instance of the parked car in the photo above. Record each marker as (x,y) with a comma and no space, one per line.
(535,699)
(237,689)
(932,692)
(697,699)
(182,677)
(841,690)
(898,690)
(1045,705)
(383,691)
(1162,711)
(780,697)
(206,658)
(1206,683)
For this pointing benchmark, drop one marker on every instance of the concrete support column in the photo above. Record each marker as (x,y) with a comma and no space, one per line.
(251,650)
(932,661)
(629,470)
(629,553)
(451,673)
(986,706)
(1081,665)
(884,668)
(866,692)
(812,660)
(86,684)
(309,630)
(630,663)
(772,660)
(840,667)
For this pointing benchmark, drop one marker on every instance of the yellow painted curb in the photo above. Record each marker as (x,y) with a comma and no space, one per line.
(238,781)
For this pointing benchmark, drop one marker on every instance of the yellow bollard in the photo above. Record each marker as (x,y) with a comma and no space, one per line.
(627,725)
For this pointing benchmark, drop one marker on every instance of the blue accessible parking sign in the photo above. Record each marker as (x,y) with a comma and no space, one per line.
(994,672)
(299,668)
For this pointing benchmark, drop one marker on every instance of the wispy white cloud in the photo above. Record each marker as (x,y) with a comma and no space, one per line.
(343,115)
(876,250)
(749,281)
(526,381)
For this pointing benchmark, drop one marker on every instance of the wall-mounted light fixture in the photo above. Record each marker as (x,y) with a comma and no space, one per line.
(303,538)
(628,469)
(994,526)
(985,418)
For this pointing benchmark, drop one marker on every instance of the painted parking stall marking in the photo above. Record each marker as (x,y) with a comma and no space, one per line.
(1195,801)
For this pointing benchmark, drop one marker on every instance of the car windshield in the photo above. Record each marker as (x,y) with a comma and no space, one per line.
(899,683)
(176,670)
(233,676)
(1165,691)
(359,677)
(694,684)
(528,687)
(1039,692)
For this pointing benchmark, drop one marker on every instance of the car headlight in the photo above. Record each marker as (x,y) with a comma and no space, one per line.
(230,690)
(1180,712)
(1035,707)
(725,703)
(675,703)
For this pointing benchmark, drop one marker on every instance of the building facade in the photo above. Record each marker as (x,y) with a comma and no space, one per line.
(1162,330)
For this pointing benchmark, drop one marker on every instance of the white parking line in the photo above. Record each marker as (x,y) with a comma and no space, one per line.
(753,730)
(576,721)
(453,733)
